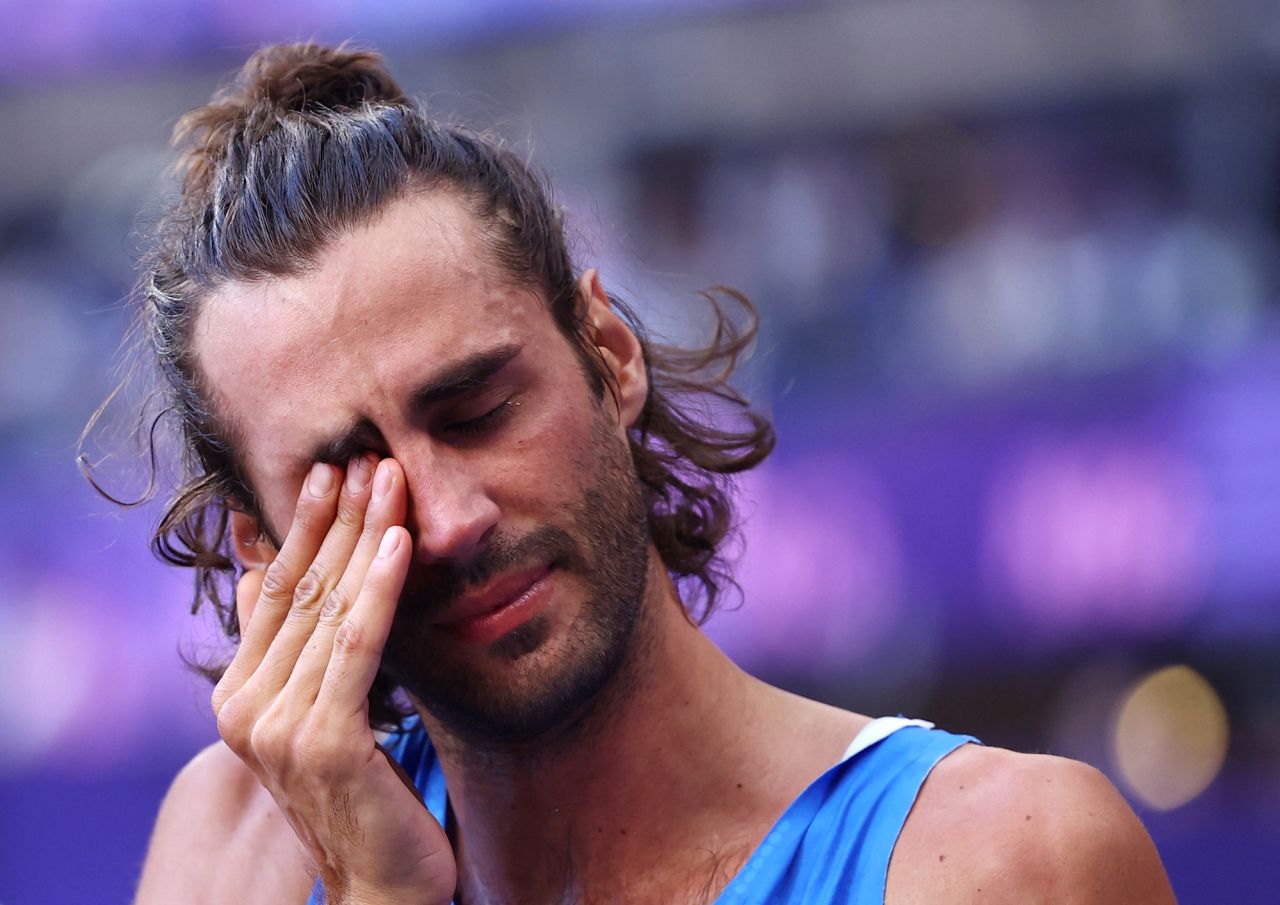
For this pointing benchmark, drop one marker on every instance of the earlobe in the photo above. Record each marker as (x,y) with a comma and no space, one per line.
(618,346)
(251,547)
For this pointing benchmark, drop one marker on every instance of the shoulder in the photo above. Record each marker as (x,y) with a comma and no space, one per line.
(1022,828)
(219,837)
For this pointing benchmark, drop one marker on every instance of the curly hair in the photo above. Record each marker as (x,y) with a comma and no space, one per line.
(310,141)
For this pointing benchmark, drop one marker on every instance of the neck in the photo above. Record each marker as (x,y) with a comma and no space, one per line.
(683,732)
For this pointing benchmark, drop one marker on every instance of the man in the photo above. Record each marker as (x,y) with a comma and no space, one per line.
(443,462)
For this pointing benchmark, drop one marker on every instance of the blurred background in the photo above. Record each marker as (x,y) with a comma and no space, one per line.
(1017,266)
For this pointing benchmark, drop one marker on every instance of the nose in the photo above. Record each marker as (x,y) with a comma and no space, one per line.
(450,513)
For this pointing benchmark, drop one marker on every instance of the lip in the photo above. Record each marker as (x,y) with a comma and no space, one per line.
(502,606)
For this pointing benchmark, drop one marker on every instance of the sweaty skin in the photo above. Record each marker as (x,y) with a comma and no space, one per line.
(297,783)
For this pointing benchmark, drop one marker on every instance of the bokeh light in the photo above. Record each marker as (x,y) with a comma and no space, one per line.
(1098,531)
(1170,737)
(822,571)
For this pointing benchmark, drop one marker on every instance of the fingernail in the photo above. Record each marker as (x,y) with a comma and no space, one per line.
(358,474)
(390,541)
(321,480)
(383,480)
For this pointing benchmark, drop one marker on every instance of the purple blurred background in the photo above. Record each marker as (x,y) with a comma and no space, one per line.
(1017,264)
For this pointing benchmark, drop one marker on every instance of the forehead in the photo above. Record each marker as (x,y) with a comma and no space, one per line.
(385,304)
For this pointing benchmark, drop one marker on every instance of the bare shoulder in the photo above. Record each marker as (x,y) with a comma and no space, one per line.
(997,826)
(219,837)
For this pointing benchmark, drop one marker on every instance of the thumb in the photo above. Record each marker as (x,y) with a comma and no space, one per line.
(248,588)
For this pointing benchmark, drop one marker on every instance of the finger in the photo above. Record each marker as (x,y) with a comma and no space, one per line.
(311,520)
(386,508)
(360,640)
(247,590)
(319,586)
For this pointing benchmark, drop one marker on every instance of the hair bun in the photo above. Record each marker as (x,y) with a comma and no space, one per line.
(304,77)
(278,80)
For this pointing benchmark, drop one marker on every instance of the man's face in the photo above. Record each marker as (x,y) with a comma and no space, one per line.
(517,469)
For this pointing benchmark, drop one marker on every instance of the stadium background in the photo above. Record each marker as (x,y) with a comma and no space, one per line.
(1017,266)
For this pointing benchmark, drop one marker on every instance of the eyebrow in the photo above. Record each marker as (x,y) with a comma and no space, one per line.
(471,373)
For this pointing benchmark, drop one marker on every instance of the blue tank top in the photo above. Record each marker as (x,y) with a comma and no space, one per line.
(831,846)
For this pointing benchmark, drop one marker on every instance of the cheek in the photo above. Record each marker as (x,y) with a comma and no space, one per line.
(551,455)
(277,488)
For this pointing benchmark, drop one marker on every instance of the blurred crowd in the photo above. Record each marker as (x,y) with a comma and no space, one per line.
(1022,350)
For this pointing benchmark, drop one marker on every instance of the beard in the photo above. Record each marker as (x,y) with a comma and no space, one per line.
(545,684)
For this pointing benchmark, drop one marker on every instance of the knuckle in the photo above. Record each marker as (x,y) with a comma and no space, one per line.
(275,581)
(350,516)
(234,725)
(351,638)
(309,590)
(336,602)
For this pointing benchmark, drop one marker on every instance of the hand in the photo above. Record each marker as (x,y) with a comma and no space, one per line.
(293,704)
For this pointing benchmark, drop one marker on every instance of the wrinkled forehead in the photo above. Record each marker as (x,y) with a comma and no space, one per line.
(286,358)
(413,259)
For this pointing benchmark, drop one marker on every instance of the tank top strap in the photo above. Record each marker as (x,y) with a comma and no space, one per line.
(878,729)
(833,844)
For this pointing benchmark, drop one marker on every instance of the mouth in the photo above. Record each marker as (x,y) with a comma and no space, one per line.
(499,608)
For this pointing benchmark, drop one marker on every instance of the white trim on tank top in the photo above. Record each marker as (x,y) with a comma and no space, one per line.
(878,729)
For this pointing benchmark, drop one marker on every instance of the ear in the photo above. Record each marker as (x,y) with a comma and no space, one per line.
(249,543)
(618,346)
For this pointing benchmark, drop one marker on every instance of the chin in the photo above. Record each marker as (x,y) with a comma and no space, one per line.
(541,680)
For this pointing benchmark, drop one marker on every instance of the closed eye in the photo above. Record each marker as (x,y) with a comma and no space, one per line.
(490,420)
